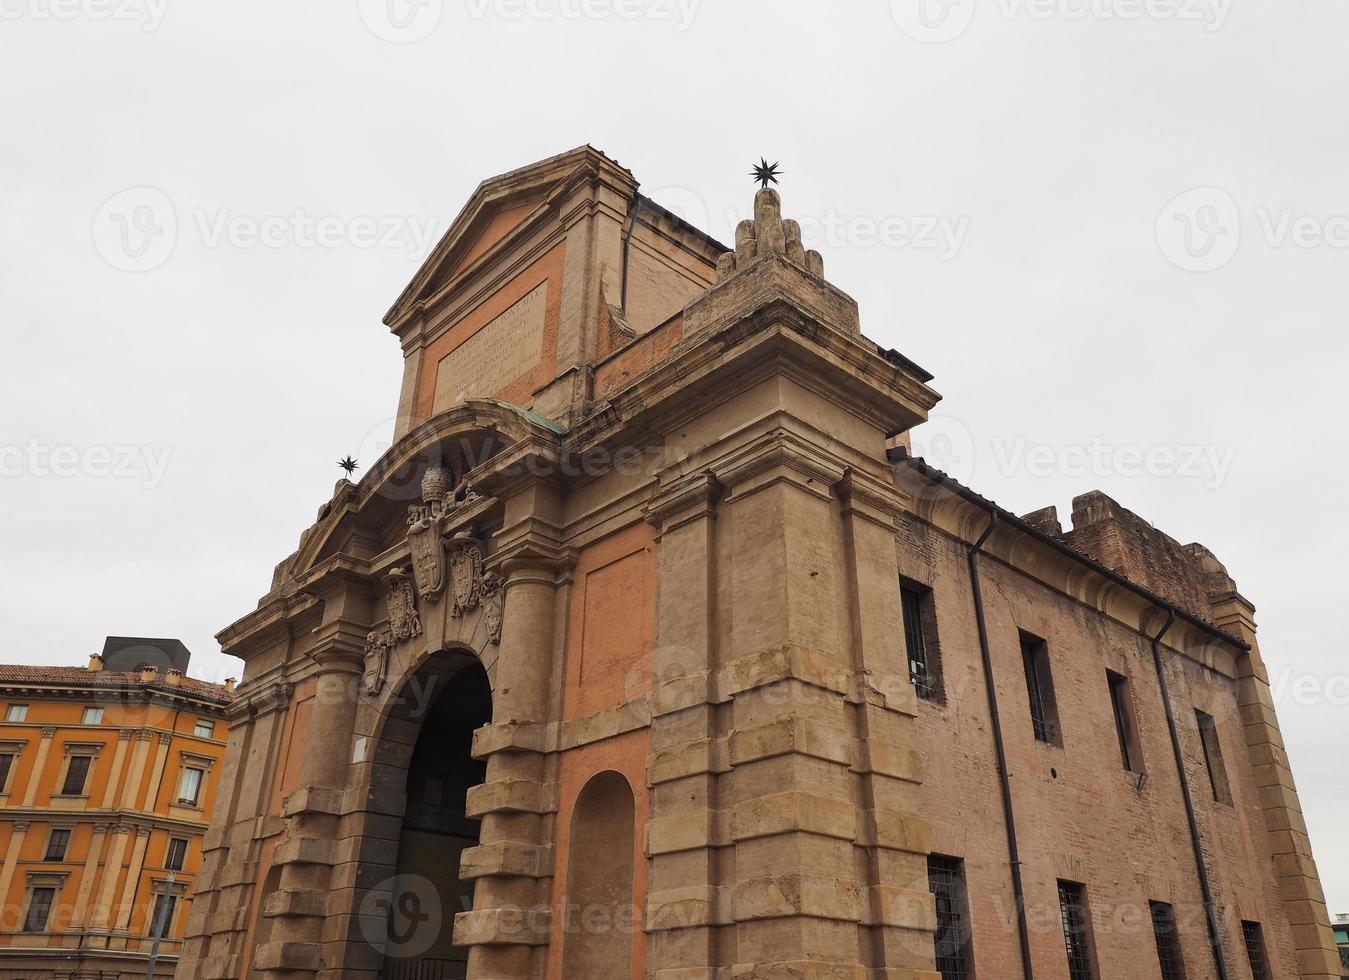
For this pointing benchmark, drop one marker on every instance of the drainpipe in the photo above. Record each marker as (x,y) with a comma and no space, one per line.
(634,207)
(1009,817)
(1210,912)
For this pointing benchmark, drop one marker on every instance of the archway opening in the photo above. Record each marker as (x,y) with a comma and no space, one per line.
(600,915)
(436,830)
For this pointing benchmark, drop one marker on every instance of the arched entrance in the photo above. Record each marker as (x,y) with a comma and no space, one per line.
(427,893)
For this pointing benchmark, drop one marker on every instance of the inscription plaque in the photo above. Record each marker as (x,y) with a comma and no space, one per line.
(500,352)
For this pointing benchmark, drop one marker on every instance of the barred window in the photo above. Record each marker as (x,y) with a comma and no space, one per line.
(1255,949)
(946,881)
(1073,909)
(1168,941)
(919,640)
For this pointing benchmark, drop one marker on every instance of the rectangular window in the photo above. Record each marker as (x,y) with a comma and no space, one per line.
(56,845)
(161,923)
(1255,950)
(77,773)
(189,785)
(919,636)
(176,854)
(204,729)
(946,881)
(1044,714)
(1213,757)
(93,716)
(39,909)
(1073,909)
(6,764)
(17,712)
(1168,941)
(1122,703)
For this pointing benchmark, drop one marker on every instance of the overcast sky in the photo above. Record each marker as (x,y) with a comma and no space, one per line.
(1117,232)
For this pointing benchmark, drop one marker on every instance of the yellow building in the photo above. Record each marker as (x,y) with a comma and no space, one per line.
(107,777)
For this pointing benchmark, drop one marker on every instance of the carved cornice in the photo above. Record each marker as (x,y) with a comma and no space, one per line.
(689,498)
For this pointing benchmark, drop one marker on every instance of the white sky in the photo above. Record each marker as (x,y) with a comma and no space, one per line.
(1046,139)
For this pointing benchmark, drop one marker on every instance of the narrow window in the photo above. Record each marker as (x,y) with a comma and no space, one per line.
(920,631)
(946,881)
(93,716)
(1122,703)
(6,764)
(77,773)
(1044,713)
(1168,941)
(161,923)
(204,728)
(1255,950)
(39,909)
(17,712)
(189,785)
(1213,757)
(1073,909)
(56,845)
(176,854)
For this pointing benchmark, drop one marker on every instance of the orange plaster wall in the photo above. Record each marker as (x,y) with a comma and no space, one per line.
(547,269)
(625,754)
(612,625)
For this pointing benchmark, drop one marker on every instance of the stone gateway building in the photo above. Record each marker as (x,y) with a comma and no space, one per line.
(648,650)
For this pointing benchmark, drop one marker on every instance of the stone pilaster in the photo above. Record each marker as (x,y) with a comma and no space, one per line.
(312,811)
(684,906)
(102,911)
(133,876)
(115,777)
(1299,883)
(44,747)
(131,789)
(91,864)
(512,864)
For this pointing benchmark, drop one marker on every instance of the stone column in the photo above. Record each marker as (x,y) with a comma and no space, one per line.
(11,862)
(133,875)
(1299,883)
(114,777)
(312,811)
(131,789)
(91,864)
(688,751)
(102,910)
(512,863)
(39,764)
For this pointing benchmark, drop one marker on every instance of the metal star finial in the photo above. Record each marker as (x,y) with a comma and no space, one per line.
(348,464)
(765,172)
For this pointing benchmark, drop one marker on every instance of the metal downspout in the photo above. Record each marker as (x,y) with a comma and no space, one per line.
(1009,817)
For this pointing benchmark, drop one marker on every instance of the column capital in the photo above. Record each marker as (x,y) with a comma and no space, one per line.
(686,499)
(49,731)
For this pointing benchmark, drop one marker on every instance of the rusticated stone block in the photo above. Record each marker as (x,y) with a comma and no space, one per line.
(783,896)
(505,858)
(503,927)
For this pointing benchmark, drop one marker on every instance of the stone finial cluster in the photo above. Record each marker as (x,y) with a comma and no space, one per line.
(768,234)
